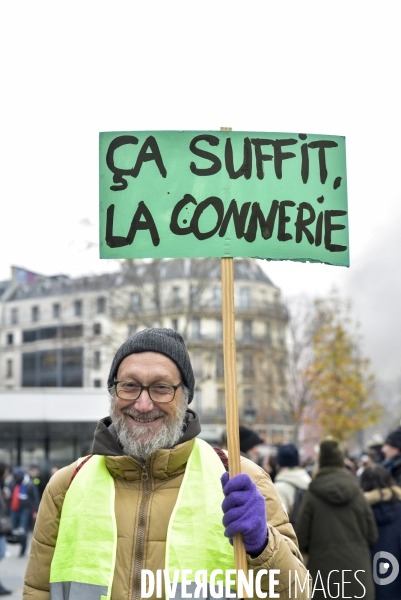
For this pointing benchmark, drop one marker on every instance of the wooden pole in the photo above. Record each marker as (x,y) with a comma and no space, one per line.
(230,380)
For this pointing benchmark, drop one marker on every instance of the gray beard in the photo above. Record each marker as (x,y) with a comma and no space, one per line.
(165,437)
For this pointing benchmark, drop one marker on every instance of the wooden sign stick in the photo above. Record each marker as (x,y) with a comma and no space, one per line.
(230,381)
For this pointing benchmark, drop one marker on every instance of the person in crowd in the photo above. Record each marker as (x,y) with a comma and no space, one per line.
(351,465)
(249,441)
(54,470)
(37,478)
(309,464)
(336,528)
(363,461)
(374,449)
(157,495)
(24,502)
(269,464)
(384,496)
(392,454)
(4,470)
(291,480)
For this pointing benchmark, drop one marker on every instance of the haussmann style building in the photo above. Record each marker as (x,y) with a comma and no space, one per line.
(59,334)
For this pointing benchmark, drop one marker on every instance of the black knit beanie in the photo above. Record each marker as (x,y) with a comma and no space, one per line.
(394,438)
(248,439)
(287,456)
(165,341)
(330,453)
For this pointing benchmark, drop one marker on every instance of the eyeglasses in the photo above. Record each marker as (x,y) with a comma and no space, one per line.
(158,392)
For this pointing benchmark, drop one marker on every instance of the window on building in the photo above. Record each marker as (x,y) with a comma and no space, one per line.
(14,316)
(219,365)
(219,330)
(97,383)
(268,332)
(217,296)
(248,398)
(34,313)
(96,359)
(196,329)
(51,333)
(245,297)
(48,367)
(78,308)
(221,402)
(197,364)
(97,328)
(281,368)
(247,365)
(280,334)
(176,294)
(195,295)
(101,305)
(71,331)
(56,311)
(249,410)
(46,333)
(198,399)
(72,367)
(53,368)
(10,339)
(28,335)
(9,367)
(247,330)
(135,301)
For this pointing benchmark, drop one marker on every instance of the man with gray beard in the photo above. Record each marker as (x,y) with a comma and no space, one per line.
(153,497)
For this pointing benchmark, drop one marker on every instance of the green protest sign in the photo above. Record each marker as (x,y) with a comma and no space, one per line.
(276,196)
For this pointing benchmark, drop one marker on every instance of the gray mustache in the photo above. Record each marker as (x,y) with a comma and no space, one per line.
(153,414)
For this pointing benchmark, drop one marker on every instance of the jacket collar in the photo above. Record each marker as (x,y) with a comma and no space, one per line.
(161,465)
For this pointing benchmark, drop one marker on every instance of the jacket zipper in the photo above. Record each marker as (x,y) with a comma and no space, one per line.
(140,539)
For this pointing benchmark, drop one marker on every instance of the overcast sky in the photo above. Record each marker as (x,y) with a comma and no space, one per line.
(72,69)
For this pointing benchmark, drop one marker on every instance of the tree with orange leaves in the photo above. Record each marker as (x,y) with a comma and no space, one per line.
(338,377)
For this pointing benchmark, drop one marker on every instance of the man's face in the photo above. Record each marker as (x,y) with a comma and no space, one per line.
(144,426)
(390,451)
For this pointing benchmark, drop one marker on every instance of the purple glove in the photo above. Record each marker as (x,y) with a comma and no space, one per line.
(244,512)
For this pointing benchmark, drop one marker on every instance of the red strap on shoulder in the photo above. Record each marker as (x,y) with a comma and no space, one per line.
(222,455)
(79,467)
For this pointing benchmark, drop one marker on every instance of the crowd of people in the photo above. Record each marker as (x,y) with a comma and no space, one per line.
(152,491)
(346,513)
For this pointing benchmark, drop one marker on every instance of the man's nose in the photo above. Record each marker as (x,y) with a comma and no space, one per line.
(144,402)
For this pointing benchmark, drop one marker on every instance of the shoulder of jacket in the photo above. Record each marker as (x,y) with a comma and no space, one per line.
(60,481)
(252,469)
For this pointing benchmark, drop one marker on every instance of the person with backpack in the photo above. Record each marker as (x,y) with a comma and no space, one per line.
(153,497)
(336,528)
(24,502)
(291,480)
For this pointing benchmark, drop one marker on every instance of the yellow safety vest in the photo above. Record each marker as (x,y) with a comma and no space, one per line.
(84,558)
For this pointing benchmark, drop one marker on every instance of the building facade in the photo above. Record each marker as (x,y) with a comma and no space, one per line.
(59,334)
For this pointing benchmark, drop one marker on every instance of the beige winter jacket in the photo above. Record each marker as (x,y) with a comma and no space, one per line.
(145,497)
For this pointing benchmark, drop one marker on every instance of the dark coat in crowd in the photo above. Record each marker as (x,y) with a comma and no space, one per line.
(388,518)
(336,528)
(393,466)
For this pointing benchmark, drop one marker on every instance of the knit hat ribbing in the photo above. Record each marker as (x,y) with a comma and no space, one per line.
(165,341)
